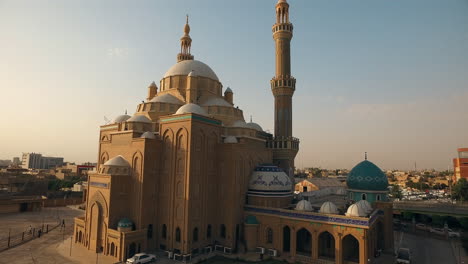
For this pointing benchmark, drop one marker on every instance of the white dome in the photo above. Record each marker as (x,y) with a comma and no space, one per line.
(304,205)
(191,108)
(117,161)
(254,126)
(230,139)
(355,210)
(186,66)
(139,118)
(239,123)
(148,134)
(167,98)
(216,101)
(269,180)
(328,208)
(121,118)
(365,205)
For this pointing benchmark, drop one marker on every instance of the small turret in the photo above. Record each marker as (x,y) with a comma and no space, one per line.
(185,44)
(229,96)
(152,91)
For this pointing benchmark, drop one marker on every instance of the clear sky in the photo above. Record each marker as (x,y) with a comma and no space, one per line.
(386,77)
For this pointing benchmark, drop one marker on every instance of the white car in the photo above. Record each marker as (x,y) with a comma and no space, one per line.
(403,256)
(438,231)
(141,258)
(452,233)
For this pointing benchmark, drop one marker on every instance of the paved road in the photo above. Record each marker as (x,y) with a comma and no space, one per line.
(426,249)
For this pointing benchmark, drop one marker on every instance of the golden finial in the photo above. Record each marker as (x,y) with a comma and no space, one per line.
(187,27)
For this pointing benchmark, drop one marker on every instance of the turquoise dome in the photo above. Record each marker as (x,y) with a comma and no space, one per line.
(125,222)
(367,176)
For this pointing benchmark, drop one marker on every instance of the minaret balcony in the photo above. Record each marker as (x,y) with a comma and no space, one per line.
(283,143)
(283,82)
(282,27)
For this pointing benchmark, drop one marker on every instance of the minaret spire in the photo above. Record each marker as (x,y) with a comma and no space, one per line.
(185,44)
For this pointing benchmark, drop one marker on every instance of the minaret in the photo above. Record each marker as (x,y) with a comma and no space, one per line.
(283,86)
(185,44)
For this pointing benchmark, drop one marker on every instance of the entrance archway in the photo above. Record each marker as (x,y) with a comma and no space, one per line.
(350,249)
(286,239)
(304,242)
(326,248)
(131,250)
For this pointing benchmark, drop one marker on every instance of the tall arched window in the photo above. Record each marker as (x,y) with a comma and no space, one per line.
(195,234)
(363,196)
(269,234)
(378,197)
(150,231)
(164,231)
(177,235)
(208,231)
(222,231)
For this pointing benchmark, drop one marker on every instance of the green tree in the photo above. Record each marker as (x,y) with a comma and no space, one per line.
(396,192)
(460,190)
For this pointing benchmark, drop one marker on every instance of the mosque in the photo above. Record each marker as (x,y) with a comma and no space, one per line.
(188,175)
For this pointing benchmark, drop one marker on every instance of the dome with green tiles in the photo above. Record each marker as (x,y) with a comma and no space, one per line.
(367,176)
(125,223)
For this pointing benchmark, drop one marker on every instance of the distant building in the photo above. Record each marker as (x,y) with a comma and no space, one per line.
(314,184)
(16,161)
(37,161)
(460,164)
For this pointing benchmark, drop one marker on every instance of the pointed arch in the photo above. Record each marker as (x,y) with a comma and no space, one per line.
(104,157)
(101,202)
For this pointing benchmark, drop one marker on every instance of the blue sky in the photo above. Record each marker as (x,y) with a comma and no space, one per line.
(386,77)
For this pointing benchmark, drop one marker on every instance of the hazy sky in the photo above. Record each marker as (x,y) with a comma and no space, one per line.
(386,77)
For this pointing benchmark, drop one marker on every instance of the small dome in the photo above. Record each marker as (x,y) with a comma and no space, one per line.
(228,90)
(304,205)
(328,208)
(139,118)
(216,101)
(365,205)
(191,108)
(239,123)
(254,126)
(230,139)
(251,220)
(269,181)
(166,98)
(341,191)
(367,176)
(148,134)
(125,223)
(186,66)
(117,161)
(121,118)
(355,210)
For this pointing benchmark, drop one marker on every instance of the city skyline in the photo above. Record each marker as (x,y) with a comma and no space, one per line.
(389,79)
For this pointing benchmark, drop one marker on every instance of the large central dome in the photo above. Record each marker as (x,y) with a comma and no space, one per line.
(185,67)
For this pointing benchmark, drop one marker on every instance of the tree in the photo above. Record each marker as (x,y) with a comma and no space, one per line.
(460,190)
(396,192)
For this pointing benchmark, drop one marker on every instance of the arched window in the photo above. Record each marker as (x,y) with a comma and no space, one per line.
(222,231)
(149,233)
(208,231)
(269,234)
(363,196)
(164,231)
(195,234)
(378,197)
(177,235)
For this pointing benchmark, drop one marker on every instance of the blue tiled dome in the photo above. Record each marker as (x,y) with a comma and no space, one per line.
(125,222)
(367,176)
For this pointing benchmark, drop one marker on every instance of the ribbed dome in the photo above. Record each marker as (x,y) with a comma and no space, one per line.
(167,98)
(186,66)
(121,118)
(216,101)
(304,205)
(254,126)
(269,180)
(367,176)
(355,210)
(117,161)
(125,222)
(365,205)
(328,208)
(230,139)
(139,118)
(191,108)
(148,134)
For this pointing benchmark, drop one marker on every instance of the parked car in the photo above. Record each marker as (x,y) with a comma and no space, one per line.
(421,226)
(452,233)
(438,231)
(403,256)
(141,258)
